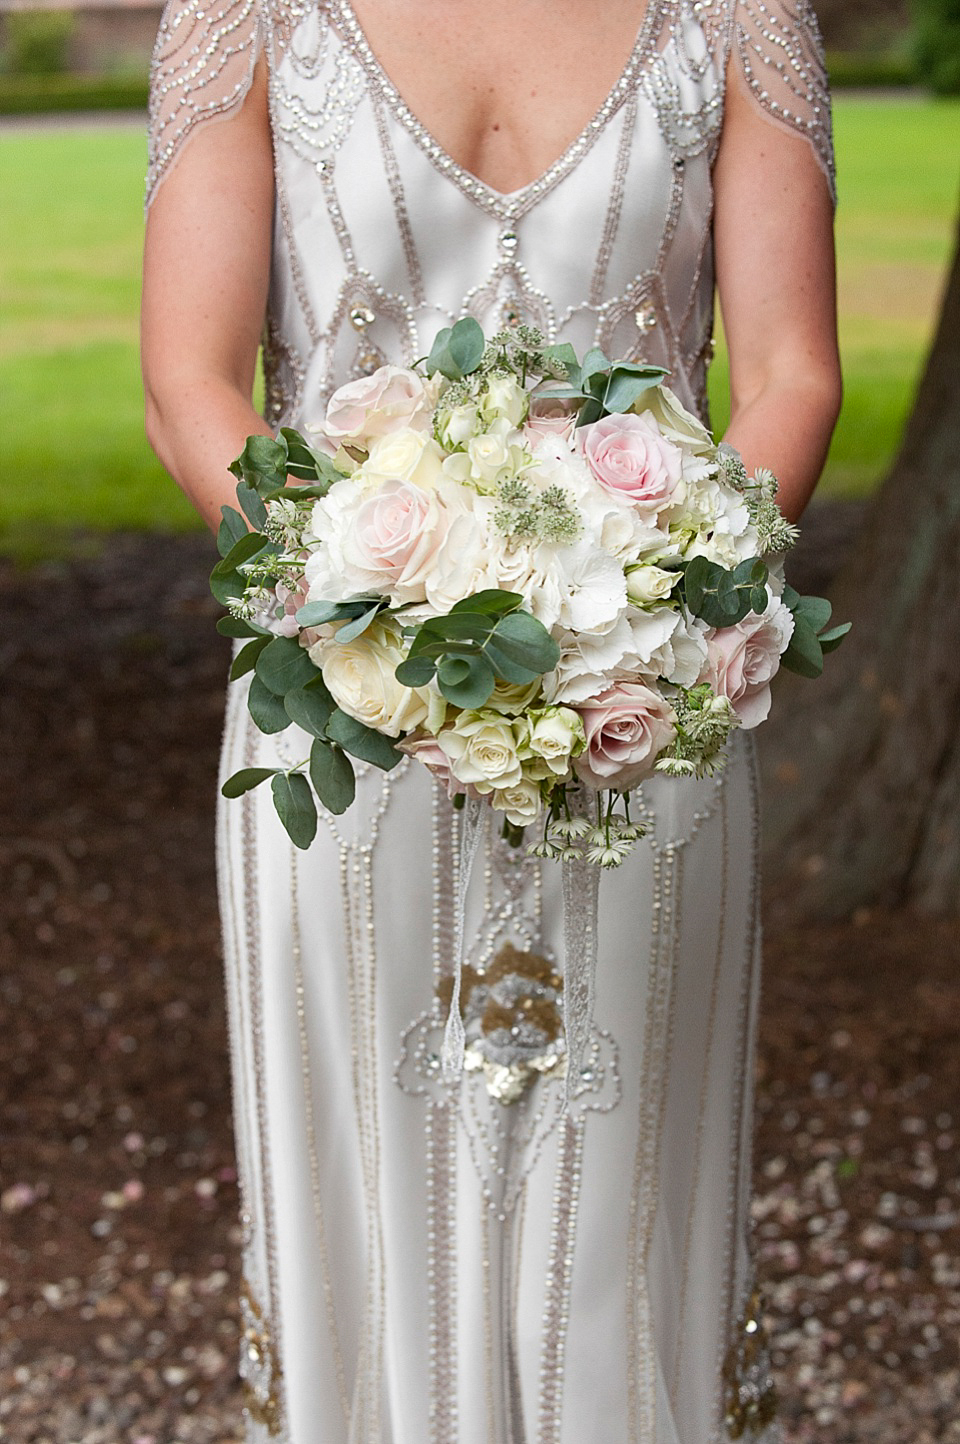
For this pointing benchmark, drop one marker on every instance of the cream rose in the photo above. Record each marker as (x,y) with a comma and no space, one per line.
(626,726)
(647,584)
(361,678)
(376,405)
(405,455)
(673,420)
(504,399)
(520,802)
(482,749)
(629,456)
(556,735)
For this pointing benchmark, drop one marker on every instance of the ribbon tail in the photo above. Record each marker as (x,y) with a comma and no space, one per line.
(472,820)
(581,894)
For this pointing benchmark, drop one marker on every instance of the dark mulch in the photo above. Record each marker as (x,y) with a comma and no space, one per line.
(118,1252)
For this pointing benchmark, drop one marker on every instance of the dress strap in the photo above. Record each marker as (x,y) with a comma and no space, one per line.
(202,70)
(779,55)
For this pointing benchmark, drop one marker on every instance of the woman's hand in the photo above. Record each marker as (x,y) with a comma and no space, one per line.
(776,277)
(205,276)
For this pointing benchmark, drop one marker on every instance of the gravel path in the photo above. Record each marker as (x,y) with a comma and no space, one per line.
(118,1243)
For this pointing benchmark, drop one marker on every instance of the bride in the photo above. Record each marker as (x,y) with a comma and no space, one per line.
(427,1263)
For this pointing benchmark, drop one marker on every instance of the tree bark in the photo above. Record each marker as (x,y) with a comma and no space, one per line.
(862,768)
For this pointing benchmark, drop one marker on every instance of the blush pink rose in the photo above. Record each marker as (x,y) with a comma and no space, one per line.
(628,455)
(626,727)
(373,406)
(291,601)
(426,749)
(742,661)
(395,536)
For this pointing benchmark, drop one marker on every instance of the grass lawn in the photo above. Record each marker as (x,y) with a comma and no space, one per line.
(71,441)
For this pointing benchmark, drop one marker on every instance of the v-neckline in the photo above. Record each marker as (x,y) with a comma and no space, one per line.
(506,205)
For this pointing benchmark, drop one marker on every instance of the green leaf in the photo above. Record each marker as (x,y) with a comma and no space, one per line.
(590,411)
(227,589)
(245,779)
(262,461)
(814,610)
(252,506)
(829,641)
(438,353)
(266,709)
(231,626)
(349,630)
(627,384)
(416,671)
(494,601)
(790,596)
(248,546)
(295,806)
(311,706)
(308,465)
(526,641)
(759,600)
(466,680)
(246,658)
(232,529)
(463,626)
(466,344)
(315,614)
(332,776)
(804,654)
(593,364)
(363,742)
(563,355)
(506,667)
(283,665)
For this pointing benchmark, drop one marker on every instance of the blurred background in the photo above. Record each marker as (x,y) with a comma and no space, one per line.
(118,1245)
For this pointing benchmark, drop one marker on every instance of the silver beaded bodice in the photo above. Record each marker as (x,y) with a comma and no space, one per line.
(381,237)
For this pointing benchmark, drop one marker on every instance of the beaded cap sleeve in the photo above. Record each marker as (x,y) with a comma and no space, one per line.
(202,69)
(779,52)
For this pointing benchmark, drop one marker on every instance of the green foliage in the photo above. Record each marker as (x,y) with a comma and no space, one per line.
(484,637)
(295,807)
(37,41)
(869,69)
(811,639)
(264,465)
(937,44)
(332,776)
(42,94)
(457,350)
(722,597)
(603,387)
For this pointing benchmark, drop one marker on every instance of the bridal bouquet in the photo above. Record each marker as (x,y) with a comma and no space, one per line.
(534,574)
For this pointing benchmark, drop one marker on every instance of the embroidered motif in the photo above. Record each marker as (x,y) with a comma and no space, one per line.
(260,1368)
(750,1398)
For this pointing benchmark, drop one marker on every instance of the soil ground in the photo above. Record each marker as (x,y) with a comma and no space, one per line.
(118,1240)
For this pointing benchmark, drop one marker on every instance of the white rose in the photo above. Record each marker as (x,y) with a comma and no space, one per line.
(520,801)
(456,425)
(403,456)
(482,749)
(556,734)
(646,584)
(376,405)
(361,678)
(505,397)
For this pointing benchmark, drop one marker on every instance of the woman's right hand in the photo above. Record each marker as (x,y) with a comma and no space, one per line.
(206,270)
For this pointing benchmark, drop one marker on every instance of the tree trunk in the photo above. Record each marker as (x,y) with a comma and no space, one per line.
(862,769)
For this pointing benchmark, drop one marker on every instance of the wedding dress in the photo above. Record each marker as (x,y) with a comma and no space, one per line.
(427,1263)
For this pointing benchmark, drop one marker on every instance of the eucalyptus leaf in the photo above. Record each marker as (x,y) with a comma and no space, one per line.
(227,589)
(283,665)
(814,610)
(242,550)
(246,658)
(311,707)
(466,680)
(230,626)
(416,671)
(493,600)
(804,654)
(252,506)
(245,779)
(514,673)
(363,742)
(262,460)
(357,626)
(306,464)
(295,807)
(593,363)
(315,614)
(466,344)
(565,356)
(332,776)
(232,529)
(527,641)
(627,386)
(266,709)
(438,351)
(830,640)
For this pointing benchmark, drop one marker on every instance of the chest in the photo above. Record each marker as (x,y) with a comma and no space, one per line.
(503,85)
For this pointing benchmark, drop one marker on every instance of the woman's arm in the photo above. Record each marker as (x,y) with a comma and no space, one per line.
(205,275)
(776,278)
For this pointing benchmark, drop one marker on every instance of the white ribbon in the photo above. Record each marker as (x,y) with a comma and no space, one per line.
(472,824)
(581,893)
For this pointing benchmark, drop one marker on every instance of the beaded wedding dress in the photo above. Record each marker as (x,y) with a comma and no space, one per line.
(427,1263)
